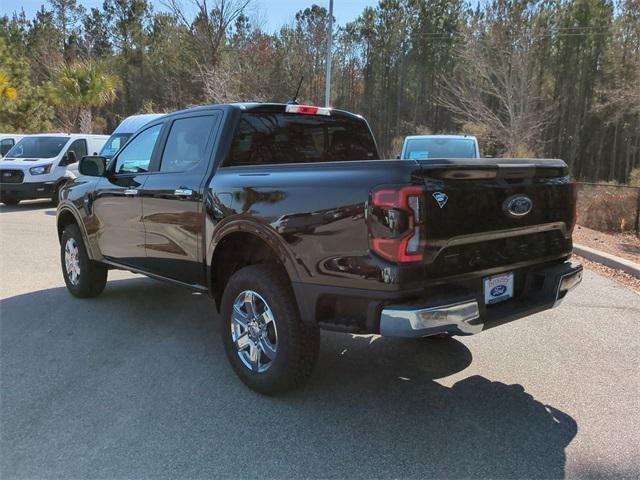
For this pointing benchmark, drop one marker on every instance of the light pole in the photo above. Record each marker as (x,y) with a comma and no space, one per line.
(327,92)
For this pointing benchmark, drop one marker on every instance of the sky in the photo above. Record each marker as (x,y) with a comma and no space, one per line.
(272,14)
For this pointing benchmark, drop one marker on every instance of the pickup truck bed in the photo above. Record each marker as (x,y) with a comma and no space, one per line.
(291,222)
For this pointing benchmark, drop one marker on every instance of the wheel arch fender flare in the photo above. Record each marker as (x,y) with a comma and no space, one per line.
(64,210)
(265,233)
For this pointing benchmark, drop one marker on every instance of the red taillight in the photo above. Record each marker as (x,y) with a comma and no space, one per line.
(307,110)
(406,246)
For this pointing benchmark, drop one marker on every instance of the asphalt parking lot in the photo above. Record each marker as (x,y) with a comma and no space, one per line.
(134,384)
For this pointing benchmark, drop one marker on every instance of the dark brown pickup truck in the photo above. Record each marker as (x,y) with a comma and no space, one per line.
(287,217)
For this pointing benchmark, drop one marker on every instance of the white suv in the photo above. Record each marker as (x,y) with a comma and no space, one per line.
(38,165)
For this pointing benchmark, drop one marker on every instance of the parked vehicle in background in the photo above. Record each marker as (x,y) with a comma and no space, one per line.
(424,147)
(7,141)
(124,131)
(38,165)
(289,219)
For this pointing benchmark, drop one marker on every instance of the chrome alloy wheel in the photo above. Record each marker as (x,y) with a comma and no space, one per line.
(72,261)
(253,331)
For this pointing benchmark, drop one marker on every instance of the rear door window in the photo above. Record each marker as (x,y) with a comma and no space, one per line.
(187,143)
(272,138)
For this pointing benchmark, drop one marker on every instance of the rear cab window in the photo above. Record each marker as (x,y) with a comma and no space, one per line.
(267,138)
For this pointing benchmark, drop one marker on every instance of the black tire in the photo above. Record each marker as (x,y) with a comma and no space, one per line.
(55,196)
(10,200)
(92,276)
(297,344)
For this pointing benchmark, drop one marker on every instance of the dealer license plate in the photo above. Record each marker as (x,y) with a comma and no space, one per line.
(498,288)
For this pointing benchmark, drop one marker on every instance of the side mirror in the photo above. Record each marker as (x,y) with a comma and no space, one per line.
(93,166)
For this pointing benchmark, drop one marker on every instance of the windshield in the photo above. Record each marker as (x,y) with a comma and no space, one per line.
(424,148)
(115,142)
(38,147)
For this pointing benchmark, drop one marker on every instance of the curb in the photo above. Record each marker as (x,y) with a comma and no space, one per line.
(607,259)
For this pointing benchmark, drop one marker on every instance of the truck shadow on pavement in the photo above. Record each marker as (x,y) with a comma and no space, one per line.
(135,383)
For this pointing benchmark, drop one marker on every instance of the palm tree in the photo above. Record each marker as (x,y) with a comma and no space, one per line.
(8,93)
(83,85)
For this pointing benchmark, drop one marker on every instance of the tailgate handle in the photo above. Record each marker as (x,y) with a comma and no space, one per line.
(515,172)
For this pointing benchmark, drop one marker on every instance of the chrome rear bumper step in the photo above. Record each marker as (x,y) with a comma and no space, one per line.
(466,316)
(423,322)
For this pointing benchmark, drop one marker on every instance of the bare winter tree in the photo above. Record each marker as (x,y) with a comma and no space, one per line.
(223,82)
(208,29)
(494,87)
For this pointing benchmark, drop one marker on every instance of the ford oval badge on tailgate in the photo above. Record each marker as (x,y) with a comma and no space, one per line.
(517,206)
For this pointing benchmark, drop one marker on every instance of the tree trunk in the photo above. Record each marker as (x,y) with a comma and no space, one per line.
(612,164)
(85,120)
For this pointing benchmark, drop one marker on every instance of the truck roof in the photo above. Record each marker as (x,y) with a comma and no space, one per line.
(259,107)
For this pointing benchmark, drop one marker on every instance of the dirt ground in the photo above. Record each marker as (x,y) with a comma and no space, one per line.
(625,245)
(618,276)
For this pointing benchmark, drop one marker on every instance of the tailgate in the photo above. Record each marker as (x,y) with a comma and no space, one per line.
(490,212)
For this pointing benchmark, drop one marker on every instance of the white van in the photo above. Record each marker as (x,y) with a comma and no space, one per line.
(125,131)
(8,140)
(38,165)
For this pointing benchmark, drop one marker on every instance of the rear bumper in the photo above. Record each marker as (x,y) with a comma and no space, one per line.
(541,289)
(29,190)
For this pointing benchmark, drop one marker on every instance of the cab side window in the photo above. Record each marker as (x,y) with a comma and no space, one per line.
(136,156)
(187,143)
(5,146)
(79,147)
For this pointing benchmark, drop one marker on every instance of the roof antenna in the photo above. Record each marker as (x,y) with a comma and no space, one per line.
(294,100)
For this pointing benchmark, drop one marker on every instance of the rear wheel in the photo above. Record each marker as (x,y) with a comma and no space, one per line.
(267,344)
(84,277)
(10,200)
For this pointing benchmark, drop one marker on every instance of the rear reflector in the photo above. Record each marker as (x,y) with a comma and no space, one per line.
(308,110)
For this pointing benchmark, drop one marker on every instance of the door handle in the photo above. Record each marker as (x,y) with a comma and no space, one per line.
(183,192)
(131,192)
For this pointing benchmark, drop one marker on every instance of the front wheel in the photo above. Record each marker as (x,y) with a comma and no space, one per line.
(84,277)
(267,344)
